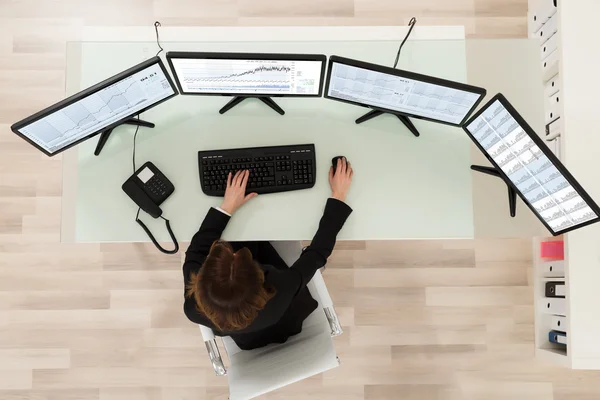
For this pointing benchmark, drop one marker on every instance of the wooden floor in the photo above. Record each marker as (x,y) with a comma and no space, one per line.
(423,320)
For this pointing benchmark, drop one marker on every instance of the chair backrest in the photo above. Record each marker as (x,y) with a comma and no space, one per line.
(314,321)
(252,373)
(256,372)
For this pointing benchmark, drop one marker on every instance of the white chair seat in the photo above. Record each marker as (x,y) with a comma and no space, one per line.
(273,367)
(252,373)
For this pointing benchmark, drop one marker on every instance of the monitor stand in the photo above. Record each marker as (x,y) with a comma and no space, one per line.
(402,118)
(106,134)
(238,99)
(512,194)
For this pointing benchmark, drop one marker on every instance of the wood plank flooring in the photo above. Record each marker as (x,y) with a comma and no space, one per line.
(423,320)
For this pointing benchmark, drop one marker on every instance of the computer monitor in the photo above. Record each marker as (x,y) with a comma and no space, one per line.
(245,75)
(99,108)
(530,168)
(400,92)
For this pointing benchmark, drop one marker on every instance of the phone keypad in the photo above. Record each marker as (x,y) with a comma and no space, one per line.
(156,186)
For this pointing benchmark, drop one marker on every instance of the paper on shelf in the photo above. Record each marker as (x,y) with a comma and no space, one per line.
(555,306)
(547,48)
(550,65)
(552,86)
(549,29)
(558,323)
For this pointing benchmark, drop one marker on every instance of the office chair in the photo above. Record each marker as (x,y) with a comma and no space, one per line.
(259,371)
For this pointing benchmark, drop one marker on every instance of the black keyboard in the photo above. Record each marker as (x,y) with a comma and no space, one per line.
(272,169)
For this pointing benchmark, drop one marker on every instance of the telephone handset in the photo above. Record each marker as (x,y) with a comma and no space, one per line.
(149,188)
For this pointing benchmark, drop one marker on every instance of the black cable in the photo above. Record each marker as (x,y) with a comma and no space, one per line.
(151,236)
(156,25)
(411,23)
(134,137)
(137,216)
(133,159)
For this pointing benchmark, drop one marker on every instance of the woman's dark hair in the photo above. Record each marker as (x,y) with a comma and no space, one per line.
(230,287)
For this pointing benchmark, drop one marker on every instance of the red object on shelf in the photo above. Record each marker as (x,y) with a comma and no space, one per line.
(554,250)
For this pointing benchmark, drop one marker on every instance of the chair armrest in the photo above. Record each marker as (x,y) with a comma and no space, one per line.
(321,288)
(215,357)
(213,350)
(334,322)
(207,333)
(327,304)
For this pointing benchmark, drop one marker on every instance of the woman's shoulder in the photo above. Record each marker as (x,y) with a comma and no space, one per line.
(285,284)
(280,277)
(192,313)
(191,266)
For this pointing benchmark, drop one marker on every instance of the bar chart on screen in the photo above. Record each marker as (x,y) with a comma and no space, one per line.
(550,193)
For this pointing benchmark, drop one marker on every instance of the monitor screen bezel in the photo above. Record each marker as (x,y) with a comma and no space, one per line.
(89,91)
(246,56)
(403,74)
(547,152)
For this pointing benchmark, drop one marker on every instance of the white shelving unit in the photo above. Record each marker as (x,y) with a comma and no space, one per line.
(543,26)
(578,78)
(543,320)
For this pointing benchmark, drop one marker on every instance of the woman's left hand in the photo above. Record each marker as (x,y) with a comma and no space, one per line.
(235,194)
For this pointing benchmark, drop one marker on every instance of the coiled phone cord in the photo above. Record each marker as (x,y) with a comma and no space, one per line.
(137,217)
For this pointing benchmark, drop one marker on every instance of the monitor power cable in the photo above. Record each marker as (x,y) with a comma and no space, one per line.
(156,26)
(134,138)
(411,24)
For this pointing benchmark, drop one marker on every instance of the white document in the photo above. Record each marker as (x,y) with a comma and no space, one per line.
(552,112)
(553,108)
(552,100)
(552,86)
(559,323)
(535,23)
(540,15)
(548,29)
(553,269)
(547,48)
(555,306)
(550,65)
(546,10)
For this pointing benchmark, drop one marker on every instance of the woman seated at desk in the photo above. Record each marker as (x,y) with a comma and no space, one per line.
(244,289)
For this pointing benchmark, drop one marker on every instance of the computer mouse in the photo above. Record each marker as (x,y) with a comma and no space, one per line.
(334,161)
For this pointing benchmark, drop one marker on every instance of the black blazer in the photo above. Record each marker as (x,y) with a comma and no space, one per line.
(288,282)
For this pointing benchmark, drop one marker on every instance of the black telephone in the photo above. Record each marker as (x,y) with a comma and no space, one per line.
(149,188)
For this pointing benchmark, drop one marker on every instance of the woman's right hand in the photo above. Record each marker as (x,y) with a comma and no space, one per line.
(235,193)
(341,180)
